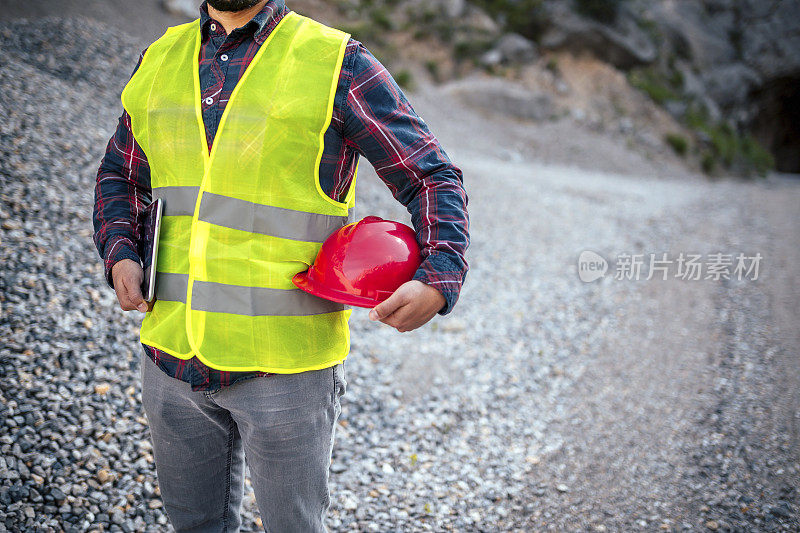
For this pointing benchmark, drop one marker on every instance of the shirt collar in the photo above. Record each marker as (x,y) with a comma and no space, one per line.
(260,25)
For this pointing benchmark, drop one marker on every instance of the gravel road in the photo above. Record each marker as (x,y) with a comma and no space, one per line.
(540,403)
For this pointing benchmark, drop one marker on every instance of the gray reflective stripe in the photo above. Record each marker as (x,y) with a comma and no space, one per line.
(258,301)
(171,287)
(177,200)
(250,301)
(268,220)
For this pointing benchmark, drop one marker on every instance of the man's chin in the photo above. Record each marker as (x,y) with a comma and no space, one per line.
(232,5)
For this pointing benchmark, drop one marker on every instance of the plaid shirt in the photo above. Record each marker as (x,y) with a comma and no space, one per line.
(371,117)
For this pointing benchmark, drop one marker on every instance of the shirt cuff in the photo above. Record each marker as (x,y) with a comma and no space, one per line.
(441,273)
(118,248)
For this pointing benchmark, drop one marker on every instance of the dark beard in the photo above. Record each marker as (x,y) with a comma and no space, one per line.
(232,5)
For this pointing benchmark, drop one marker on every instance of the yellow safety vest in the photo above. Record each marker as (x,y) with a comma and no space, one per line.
(241,221)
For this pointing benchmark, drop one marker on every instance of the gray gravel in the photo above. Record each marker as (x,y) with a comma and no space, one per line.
(540,403)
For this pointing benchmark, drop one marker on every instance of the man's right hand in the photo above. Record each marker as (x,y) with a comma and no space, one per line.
(128,275)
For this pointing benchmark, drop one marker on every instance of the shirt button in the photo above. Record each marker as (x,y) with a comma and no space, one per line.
(224,57)
(213,27)
(209,101)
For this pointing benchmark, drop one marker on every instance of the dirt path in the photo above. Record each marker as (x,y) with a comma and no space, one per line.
(685,414)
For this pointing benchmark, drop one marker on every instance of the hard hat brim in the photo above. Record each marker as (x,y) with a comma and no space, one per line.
(305,283)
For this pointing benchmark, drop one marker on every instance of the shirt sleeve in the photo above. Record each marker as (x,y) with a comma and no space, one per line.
(381,124)
(121,191)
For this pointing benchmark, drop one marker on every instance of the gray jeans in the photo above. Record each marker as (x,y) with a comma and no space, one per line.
(284,424)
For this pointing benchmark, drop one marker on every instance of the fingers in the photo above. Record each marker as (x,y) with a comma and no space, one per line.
(130,296)
(122,296)
(384,309)
(135,295)
(396,311)
(127,281)
(409,307)
(403,319)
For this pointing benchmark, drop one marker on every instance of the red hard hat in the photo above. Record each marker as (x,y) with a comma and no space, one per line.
(363,263)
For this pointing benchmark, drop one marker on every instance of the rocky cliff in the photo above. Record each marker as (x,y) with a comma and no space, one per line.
(719,66)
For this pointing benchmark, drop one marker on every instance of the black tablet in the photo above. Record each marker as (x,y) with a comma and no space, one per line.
(150,224)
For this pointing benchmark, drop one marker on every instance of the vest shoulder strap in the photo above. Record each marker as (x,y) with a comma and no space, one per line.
(171,36)
(322,30)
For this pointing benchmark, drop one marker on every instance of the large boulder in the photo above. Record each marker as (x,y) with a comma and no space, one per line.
(730,85)
(503,97)
(454,8)
(694,31)
(478,20)
(510,48)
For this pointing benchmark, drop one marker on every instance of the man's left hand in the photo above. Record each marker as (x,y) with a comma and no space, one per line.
(409,307)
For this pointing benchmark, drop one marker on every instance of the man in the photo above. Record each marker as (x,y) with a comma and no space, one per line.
(256,109)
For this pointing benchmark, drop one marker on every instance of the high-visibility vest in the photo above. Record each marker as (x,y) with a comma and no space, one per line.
(239,222)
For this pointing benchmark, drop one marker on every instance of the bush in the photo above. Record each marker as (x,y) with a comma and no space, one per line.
(654,85)
(380,17)
(433,68)
(404,79)
(734,149)
(740,151)
(601,10)
(362,31)
(526,17)
(678,143)
(472,48)
(707,162)
(761,159)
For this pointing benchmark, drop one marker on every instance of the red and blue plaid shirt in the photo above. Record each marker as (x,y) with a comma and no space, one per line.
(371,117)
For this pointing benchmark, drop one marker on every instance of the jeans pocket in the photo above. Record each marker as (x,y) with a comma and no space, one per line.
(339,381)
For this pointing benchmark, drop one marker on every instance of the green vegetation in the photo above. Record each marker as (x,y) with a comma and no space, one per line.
(366,32)
(432,67)
(730,147)
(526,17)
(601,10)
(426,17)
(754,152)
(370,23)
(471,49)
(658,87)
(721,144)
(650,27)
(404,79)
(678,142)
(381,18)
(707,162)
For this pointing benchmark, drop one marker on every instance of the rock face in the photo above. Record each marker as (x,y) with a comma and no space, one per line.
(511,48)
(771,37)
(771,47)
(730,85)
(747,57)
(623,43)
(739,58)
